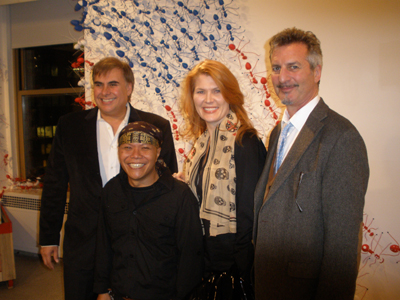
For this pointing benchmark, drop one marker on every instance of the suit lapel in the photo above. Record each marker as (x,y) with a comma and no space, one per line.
(133,116)
(306,136)
(91,139)
(263,180)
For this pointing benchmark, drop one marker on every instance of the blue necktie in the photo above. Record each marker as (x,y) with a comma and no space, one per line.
(285,132)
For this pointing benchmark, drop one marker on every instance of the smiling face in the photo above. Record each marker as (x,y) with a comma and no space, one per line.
(138,160)
(294,81)
(209,102)
(111,92)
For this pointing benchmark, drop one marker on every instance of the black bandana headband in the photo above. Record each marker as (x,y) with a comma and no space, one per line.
(140,132)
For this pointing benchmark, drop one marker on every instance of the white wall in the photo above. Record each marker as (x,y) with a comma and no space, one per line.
(45,22)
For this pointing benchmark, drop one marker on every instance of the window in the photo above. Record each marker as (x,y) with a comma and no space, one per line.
(47,87)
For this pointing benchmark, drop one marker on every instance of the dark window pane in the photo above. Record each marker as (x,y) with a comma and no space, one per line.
(48,67)
(40,117)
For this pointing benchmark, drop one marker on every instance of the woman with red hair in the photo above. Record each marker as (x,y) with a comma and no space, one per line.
(222,170)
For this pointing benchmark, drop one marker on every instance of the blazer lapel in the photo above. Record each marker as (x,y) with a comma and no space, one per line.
(133,116)
(263,180)
(259,191)
(91,139)
(306,136)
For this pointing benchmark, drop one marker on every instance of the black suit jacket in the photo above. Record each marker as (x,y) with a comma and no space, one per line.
(74,160)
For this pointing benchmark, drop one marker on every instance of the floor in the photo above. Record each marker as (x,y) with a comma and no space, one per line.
(34,281)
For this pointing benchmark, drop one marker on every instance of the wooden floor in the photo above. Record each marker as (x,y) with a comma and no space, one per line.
(34,281)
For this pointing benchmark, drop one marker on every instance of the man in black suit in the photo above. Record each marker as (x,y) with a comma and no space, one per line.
(84,157)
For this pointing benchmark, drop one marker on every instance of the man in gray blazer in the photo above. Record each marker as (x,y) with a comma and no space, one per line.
(308,210)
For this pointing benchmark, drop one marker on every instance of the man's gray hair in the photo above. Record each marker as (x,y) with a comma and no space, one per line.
(294,35)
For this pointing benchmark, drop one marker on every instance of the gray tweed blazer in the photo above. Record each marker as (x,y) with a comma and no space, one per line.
(307,231)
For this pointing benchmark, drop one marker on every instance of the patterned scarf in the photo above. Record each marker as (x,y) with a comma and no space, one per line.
(219,177)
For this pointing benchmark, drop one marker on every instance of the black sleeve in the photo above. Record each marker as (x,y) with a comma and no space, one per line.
(189,237)
(103,255)
(54,193)
(249,161)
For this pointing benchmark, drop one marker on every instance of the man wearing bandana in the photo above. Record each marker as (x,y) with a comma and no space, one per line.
(149,241)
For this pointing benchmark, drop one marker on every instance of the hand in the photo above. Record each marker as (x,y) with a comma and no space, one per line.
(105,296)
(180,176)
(47,252)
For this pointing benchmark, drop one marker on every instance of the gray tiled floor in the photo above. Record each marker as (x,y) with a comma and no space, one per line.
(34,281)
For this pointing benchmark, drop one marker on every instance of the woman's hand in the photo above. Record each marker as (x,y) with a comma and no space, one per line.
(180,176)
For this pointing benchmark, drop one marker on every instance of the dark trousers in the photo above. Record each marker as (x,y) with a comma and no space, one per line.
(78,284)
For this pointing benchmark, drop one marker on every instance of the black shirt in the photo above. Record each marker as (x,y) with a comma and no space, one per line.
(151,247)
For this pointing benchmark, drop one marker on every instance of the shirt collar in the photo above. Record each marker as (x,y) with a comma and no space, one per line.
(300,117)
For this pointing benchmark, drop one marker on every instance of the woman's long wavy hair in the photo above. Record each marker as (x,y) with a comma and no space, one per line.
(229,87)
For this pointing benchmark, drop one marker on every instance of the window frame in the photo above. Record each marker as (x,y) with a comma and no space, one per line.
(20,93)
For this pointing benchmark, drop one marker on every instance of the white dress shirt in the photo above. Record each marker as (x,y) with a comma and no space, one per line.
(298,120)
(107,146)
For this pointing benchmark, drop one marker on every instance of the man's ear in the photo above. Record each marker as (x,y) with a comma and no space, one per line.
(158,152)
(130,91)
(317,73)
